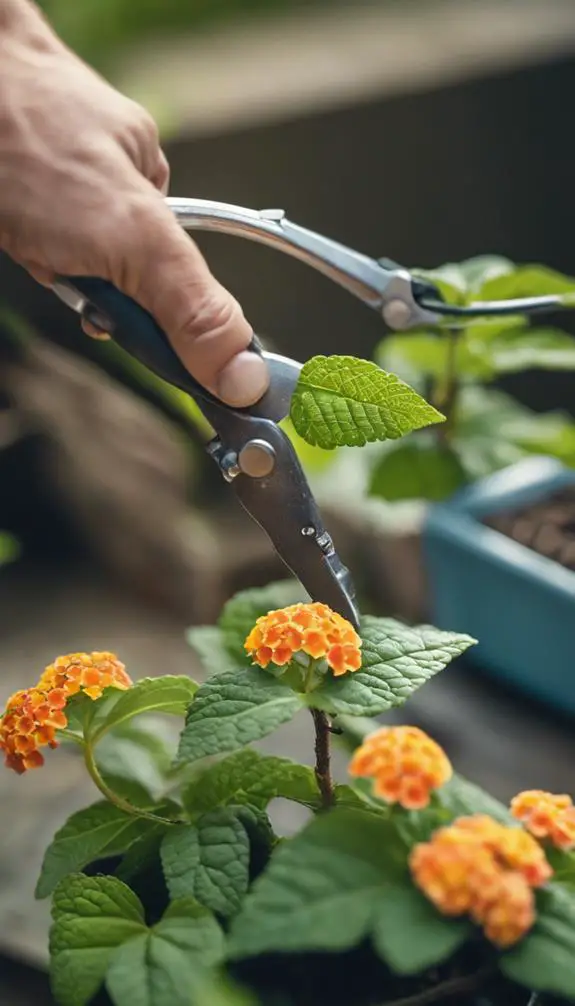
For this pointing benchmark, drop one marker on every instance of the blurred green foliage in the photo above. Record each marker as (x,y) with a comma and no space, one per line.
(97,29)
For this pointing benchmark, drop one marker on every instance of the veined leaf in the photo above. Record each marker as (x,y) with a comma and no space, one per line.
(341,401)
(168,963)
(168,694)
(233,709)
(323,888)
(91,917)
(396,660)
(93,833)
(208,860)
(249,777)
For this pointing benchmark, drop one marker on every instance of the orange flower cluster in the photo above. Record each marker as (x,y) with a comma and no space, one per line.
(87,672)
(313,629)
(487,870)
(547,815)
(32,717)
(405,764)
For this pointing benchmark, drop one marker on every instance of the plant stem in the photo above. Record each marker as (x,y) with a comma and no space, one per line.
(453,987)
(322,757)
(447,398)
(115,798)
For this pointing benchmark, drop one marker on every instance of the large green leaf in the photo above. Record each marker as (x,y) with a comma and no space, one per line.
(167,964)
(543,961)
(93,833)
(526,281)
(233,709)
(241,613)
(208,860)
(396,660)
(168,694)
(459,798)
(91,917)
(249,777)
(140,753)
(419,468)
(341,401)
(411,936)
(322,889)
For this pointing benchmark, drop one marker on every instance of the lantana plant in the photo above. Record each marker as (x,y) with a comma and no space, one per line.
(406,884)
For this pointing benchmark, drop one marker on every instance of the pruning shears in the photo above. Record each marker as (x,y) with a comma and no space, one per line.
(253,453)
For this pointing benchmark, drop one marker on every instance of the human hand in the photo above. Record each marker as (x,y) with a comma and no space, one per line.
(82,183)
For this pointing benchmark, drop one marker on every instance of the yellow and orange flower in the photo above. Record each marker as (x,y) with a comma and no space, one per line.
(405,764)
(547,816)
(313,629)
(32,717)
(87,672)
(484,869)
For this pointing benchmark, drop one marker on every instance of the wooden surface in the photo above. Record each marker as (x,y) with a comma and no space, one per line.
(494,737)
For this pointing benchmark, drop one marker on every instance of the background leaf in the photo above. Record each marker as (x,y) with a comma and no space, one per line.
(543,961)
(167,964)
(234,709)
(138,752)
(322,889)
(93,833)
(249,777)
(240,614)
(396,660)
(341,401)
(524,348)
(208,641)
(526,281)
(91,917)
(417,469)
(208,860)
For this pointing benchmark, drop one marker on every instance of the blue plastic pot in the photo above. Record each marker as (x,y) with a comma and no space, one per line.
(518,604)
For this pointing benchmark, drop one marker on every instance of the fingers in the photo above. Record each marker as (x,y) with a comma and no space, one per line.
(166,273)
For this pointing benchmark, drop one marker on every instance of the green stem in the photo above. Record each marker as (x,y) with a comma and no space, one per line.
(115,798)
(445,397)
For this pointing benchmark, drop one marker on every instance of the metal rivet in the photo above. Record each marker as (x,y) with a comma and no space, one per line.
(397,314)
(308,532)
(257,459)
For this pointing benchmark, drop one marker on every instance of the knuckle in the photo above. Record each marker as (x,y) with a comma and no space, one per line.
(210,313)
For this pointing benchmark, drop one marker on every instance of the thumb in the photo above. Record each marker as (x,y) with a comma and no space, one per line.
(164,271)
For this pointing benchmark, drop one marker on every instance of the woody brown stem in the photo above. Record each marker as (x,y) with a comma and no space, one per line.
(322,757)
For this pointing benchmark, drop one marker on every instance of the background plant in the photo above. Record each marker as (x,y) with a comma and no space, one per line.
(458,369)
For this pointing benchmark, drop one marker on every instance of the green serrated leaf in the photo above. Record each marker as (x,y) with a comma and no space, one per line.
(417,469)
(209,643)
(543,961)
(168,694)
(93,833)
(233,709)
(249,777)
(526,281)
(323,888)
(411,936)
(208,860)
(143,853)
(91,917)
(396,660)
(240,614)
(166,965)
(341,401)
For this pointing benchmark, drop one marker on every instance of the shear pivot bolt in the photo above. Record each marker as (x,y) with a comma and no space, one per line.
(257,459)
(397,314)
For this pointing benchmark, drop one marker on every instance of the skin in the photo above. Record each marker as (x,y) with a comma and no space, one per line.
(82,180)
